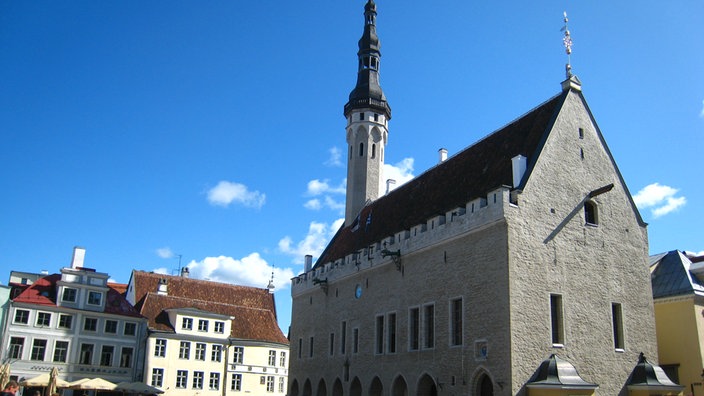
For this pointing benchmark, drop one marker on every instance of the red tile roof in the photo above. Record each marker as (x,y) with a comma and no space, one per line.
(470,174)
(253,308)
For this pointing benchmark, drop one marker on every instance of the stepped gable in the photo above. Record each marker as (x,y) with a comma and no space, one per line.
(470,174)
(249,323)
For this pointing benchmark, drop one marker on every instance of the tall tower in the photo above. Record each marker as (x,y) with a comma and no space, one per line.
(367,114)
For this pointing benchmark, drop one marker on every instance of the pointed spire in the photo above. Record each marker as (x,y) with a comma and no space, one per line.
(567,42)
(271,286)
(368,93)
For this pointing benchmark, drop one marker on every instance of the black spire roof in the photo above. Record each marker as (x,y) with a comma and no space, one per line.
(368,93)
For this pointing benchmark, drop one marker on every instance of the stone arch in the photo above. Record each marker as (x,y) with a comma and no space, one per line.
(356,387)
(376,135)
(482,384)
(399,387)
(337,388)
(307,388)
(427,386)
(294,388)
(322,388)
(376,388)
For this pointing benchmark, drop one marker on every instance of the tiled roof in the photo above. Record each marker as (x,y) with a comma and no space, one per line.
(470,174)
(44,290)
(254,308)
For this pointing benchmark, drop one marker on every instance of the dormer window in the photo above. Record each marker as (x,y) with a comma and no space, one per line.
(95,298)
(69,295)
(219,327)
(202,325)
(187,324)
(591,215)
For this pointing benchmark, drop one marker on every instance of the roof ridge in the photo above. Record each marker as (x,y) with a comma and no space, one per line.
(157,295)
(232,285)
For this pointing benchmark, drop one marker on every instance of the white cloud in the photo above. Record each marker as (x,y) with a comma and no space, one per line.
(335,158)
(401,172)
(660,199)
(165,253)
(313,204)
(251,270)
(227,192)
(161,270)
(318,236)
(701,113)
(319,187)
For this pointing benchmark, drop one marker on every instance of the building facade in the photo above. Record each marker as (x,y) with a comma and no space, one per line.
(209,337)
(518,266)
(76,322)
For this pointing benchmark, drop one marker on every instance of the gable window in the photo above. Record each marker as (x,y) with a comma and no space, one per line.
(86,356)
(90,324)
(111,326)
(200,351)
(16,346)
(591,215)
(21,316)
(556,320)
(43,319)
(160,347)
(95,298)
(219,327)
(65,321)
(60,351)
(202,325)
(69,295)
(38,350)
(617,322)
(187,324)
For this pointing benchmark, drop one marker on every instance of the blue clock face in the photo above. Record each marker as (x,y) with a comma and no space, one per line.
(358,291)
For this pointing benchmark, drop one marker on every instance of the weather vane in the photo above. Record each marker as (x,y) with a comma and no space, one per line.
(567,41)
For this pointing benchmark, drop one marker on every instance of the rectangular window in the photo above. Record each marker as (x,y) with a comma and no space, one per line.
(86,354)
(391,333)
(187,324)
(300,347)
(181,379)
(214,383)
(90,324)
(220,327)
(130,329)
(556,319)
(355,341)
(456,322)
(157,377)
(160,347)
(331,350)
(202,325)
(200,351)
(106,355)
(617,319)
(236,382)
(21,316)
(310,347)
(126,357)
(38,350)
(429,326)
(198,380)
(111,326)
(60,351)
(65,321)
(69,295)
(216,354)
(282,359)
(270,383)
(414,329)
(16,346)
(272,358)
(43,319)
(95,298)
(184,351)
(343,338)
(379,344)
(282,384)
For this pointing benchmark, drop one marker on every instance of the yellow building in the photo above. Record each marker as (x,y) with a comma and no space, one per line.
(679,317)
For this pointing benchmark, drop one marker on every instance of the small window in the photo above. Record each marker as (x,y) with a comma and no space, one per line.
(214,382)
(219,327)
(200,351)
(379,334)
(414,329)
(216,353)
(126,357)
(21,316)
(69,295)
(65,321)
(184,351)
(86,356)
(361,116)
(373,150)
(238,356)
(181,379)
(157,377)
(106,355)
(16,346)
(130,328)
(429,326)
(355,340)
(556,320)
(90,324)
(60,351)
(361,149)
(236,382)
(617,321)
(198,380)
(95,298)
(43,319)
(202,325)
(282,359)
(581,133)
(376,117)
(38,350)
(310,347)
(160,347)
(590,213)
(187,324)
(391,333)
(456,322)
(272,358)
(111,326)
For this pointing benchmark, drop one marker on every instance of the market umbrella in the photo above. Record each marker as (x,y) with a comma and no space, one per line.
(4,374)
(139,388)
(92,383)
(53,380)
(42,380)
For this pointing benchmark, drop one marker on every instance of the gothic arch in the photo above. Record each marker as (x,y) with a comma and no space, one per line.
(376,134)
(399,387)
(337,388)
(482,383)
(294,388)
(322,388)
(376,388)
(356,387)
(307,388)
(426,386)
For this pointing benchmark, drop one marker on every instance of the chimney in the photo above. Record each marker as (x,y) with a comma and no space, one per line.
(79,254)
(161,289)
(389,182)
(308,263)
(185,273)
(519,163)
(443,155)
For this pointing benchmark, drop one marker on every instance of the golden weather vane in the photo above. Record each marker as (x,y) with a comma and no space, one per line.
(567,41)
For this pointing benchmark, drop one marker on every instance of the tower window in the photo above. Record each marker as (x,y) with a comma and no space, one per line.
(361,149)
(376,117)
(373,150)
(361,116)
(617,319)
(591,215)
(556,320)
(581,133)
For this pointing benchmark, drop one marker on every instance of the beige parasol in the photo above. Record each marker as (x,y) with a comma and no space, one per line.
(42,380)
(4,374)
(138,388)
(92,383)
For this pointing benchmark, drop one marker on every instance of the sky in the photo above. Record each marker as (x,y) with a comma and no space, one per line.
(163,134)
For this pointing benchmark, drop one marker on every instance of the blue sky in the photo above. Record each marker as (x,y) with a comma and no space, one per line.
(212,130)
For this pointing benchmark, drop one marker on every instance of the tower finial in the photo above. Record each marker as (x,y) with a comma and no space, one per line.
(567,41)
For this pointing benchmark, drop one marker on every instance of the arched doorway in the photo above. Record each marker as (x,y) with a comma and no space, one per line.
(322,388)
(356,387)
(426,386)
(399,387)
(337,388)
(485,387)
(307,388)
(376,388)
(294,388)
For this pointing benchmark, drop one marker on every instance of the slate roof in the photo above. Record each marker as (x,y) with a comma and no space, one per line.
(468,175)
(44,290)
(253,308)
(670,275)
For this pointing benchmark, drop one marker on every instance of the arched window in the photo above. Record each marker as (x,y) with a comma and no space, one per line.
(591,215)
(373,150)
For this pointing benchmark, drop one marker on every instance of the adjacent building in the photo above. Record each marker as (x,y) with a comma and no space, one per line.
(210,338)
(518,266)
